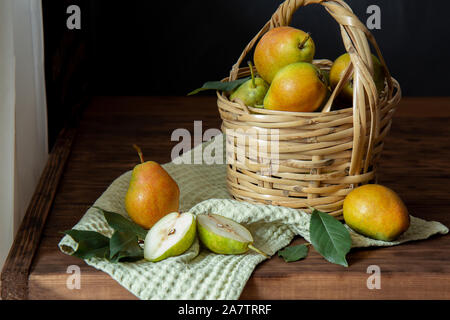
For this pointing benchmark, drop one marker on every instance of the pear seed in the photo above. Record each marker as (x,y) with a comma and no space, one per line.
(220,225)
(171,231)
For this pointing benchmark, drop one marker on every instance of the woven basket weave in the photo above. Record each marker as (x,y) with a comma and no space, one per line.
(303,160)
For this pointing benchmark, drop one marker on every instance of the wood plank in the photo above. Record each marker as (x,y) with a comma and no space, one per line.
(309,279)
(14,277)
(420,107)
(402,272)
(414,163)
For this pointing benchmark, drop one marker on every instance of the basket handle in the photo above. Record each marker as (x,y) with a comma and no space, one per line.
(337,8)
(355,36)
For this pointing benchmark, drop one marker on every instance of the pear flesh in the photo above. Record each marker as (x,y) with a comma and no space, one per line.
(170,236)
(224,236)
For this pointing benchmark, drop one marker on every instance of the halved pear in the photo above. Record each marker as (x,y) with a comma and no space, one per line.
(224,236)
(171,236)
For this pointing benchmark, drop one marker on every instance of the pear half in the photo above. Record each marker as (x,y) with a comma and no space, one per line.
(171,236)
(224,236)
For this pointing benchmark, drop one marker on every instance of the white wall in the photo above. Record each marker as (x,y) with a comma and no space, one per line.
(7,124)
(31,116)
(23,120)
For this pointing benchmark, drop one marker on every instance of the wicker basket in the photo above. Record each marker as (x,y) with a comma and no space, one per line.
(303,160)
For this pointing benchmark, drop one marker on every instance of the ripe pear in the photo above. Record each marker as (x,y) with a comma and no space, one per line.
(280,47)
(326,77)
(224,236)
(170,236)
(251,92)
(338,69)
(376,211)
(298,87)
(152,193)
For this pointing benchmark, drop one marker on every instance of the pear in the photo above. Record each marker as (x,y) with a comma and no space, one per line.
(152,193)
(338,70)
(325,76)
(224,236)
(280,47)
(251,92)
(170,236)
(297,87)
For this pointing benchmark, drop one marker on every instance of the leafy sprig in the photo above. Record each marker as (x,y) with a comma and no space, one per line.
(122,246)
(294,253)
(328,236)
(219,85)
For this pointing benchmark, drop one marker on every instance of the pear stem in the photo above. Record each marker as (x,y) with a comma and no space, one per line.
(302,44)
(251,72)
(258,251)
(139,151)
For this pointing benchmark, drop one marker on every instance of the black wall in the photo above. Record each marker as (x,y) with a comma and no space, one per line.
(171,47)
(68,60)
(139,47)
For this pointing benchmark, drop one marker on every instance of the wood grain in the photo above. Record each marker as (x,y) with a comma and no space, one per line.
(420,139)
(15,272)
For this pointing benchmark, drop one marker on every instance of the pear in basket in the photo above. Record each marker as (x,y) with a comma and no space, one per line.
(251,92)
(282,46)
(298,87)
(338,70)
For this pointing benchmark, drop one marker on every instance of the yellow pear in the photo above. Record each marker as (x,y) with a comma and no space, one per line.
(298,87)
(376,212)
(152,193)
(282,46)
(338,69)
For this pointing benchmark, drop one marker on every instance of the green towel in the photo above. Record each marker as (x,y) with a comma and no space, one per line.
(199,273)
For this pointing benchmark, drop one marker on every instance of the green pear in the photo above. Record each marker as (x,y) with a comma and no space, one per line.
(251,92)
(170,236)
(224,236)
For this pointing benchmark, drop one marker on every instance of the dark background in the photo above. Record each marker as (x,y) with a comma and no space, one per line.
(138,47)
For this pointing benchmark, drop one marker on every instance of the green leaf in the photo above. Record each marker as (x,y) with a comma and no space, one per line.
(124,245)
(121,246)
(329,237)
(120,223)
(90,244)
(219,85)
(294,253)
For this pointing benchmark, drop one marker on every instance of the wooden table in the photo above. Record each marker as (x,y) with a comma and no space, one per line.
(415,163)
